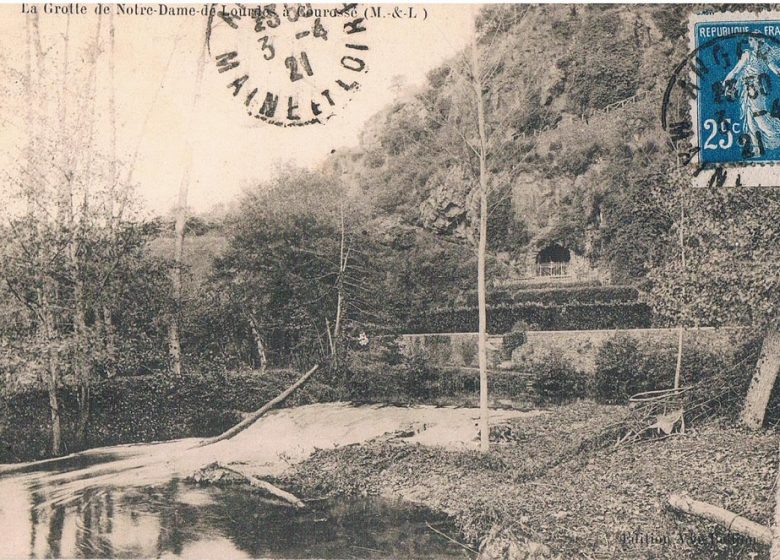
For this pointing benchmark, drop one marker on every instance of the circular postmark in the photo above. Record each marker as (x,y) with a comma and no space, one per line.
(289,64)
(721,106)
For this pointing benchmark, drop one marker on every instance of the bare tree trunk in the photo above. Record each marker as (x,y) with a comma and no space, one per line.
(484,420)
(52,381)
(763,381)
(174,343)
(109,335)
(47,327)
(76,232)
(678,367)
(333,337)
(258,343)
(174,338)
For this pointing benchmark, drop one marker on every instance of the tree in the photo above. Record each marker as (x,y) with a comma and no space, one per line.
(730,274)
(295,267)
(64,243)
(174,339)
(480,135)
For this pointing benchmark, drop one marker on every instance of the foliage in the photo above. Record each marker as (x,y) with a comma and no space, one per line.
(562,296)
(376,382)
(146,408)
(282,269)
(422,376)
(467,348)
(625,367)
(603,66)
(555,380)
(501,318)
(514,339)
(630,239)
(731,255)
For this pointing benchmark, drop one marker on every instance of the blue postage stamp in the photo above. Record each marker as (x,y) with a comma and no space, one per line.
(735,90)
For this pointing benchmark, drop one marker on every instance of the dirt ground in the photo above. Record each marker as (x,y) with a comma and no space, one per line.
(559,479)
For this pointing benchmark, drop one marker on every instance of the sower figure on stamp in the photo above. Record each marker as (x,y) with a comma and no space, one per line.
(753,77)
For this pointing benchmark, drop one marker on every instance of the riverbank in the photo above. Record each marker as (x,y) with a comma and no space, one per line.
(557,479)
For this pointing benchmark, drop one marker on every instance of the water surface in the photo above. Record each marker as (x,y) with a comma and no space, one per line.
(181,520)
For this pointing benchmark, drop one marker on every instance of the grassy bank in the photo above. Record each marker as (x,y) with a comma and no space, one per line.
(557,479)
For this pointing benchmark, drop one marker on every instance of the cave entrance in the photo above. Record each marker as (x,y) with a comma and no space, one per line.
(553,260)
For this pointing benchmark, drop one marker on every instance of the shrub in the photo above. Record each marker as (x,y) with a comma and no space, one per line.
(468,348)
(619,370)
(723,387)
(422,378)
(512,340)
(147,408)
(503,385)
(376,382)
(501,318)
(555,380)
(625,367)
(563,296)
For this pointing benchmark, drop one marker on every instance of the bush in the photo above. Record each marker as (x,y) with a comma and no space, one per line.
(467,348)
(563,296)
(415,379)
(724,390)
(501,318)
(422,377)
(625,367)
(147,408)
(376,382)
(512,340)
(555,380)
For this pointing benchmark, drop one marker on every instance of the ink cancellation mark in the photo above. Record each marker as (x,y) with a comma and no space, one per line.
(730,82)
(290,64)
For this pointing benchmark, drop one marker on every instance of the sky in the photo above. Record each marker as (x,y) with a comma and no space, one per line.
(158,121)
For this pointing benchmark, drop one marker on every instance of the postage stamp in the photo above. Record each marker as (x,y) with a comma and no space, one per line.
(289,64)
(733,87)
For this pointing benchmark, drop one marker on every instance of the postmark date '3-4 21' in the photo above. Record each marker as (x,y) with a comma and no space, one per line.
(290,64)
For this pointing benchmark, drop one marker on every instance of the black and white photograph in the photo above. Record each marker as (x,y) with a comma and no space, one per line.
(390,281)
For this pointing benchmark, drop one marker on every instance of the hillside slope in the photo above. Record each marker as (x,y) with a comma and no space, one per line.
(573,108)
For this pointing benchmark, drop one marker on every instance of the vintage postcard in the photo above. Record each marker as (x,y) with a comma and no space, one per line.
(485,281)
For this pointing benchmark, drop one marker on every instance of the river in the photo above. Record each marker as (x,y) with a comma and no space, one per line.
(131,501)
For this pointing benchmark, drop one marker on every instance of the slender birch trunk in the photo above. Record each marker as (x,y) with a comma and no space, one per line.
(174,338)
(678,367)
(333,338)
(47,327)
(258,343)
(484,420)
(109,335)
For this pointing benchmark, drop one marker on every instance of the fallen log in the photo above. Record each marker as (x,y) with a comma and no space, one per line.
(728,519)
(252,418)
(267,486)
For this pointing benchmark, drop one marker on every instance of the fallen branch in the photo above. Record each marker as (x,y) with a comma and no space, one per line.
(449,538)
(252,418)
(728,519)
(267,486)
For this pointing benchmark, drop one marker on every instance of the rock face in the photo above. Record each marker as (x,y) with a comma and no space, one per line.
(452,208)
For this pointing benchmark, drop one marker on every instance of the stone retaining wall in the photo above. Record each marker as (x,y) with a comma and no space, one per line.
(579,347)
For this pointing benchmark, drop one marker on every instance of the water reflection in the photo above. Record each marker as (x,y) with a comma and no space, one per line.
(181,521)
